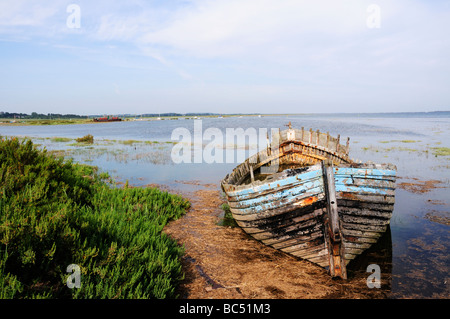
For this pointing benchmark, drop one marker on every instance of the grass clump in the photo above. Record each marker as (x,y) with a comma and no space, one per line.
(227,219)
(401,149)
(400,141)
(129,142)
(54,213)
(441,151)
(60,139)
(88,139)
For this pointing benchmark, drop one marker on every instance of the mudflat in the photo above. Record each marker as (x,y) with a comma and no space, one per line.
(223,262)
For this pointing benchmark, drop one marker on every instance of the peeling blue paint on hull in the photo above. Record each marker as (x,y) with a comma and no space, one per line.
(289,211)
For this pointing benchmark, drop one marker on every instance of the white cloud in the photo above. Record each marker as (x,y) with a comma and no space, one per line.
(254,50)
(234,27)
(26,13)
(111,29)
(311,44)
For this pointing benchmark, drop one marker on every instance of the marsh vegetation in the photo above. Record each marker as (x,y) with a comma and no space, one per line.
(416,147)
(441,151)
(54,213)
(89,139)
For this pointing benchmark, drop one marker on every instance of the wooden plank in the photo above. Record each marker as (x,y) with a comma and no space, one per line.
(290,217)
(278,227)
(330,194)
(301,189)
(364,212)
(275,201)
(291,231)
(360,234)
(304,235)
(369,172)
(348,203)
(312,255)
(365,221)
(382,199)
(364,227)
(365,182)
(360,247)
(332,231)
(337,143)
(277,184)
(243,215)
(292,241)
(303,245)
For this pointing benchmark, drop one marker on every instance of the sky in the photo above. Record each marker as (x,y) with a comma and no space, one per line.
(224,56)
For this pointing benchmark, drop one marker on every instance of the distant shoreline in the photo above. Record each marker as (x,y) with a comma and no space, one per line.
(174,116)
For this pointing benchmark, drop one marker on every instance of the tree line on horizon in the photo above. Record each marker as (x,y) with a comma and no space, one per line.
(40,116)
(35,115)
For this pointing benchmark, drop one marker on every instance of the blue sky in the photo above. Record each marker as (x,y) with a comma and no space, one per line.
(225,56)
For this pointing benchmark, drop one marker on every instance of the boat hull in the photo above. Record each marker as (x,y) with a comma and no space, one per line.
(289,212)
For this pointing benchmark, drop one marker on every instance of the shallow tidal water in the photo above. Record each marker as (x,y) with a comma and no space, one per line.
(414,254)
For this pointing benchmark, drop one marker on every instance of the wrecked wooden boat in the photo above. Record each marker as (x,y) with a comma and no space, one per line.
(303,195)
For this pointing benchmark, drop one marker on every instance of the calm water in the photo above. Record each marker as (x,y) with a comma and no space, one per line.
(418,263)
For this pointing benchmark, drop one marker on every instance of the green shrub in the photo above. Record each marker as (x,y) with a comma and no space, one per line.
(228,219)
(54,213)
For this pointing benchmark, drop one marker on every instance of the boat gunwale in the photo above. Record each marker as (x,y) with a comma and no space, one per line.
(285,138)
(386,172)
(231,188)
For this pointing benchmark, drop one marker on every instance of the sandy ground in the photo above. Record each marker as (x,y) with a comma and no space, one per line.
(223,262)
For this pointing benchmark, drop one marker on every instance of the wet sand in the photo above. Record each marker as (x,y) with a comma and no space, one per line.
(223,262)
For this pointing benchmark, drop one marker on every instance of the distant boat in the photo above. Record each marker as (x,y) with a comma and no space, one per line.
(319,205)
(107,119)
